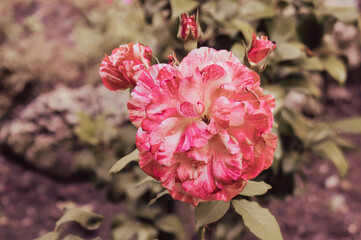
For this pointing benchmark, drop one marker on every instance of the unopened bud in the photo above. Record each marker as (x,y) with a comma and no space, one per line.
(189,28)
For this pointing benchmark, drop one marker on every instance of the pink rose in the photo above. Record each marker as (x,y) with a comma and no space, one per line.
(261,47)
(204,126)
(121,69)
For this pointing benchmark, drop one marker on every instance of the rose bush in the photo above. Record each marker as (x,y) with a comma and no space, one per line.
(204,126)
(121,69)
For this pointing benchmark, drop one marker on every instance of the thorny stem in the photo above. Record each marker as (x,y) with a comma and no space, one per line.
(201,233)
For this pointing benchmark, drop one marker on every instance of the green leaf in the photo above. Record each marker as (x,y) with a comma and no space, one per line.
(72,237)
(302,84)
(144,180)
(182,6)
(298,123)
(239,51)
(245,28)
(124,161)
(209,212)
(281,29)
(255,188)
(345,14)
(344,143)
(159,195)
(132,231)
(86,130)
(50,236)
(329,150)
(312,64)
(336,68)
(311,29)
(258,220)
(287,51)
(349,125)
(171,224)
(278,92)
(317,134)
(253,10)
(88,220)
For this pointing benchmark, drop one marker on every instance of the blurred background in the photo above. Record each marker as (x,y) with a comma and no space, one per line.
(61,130)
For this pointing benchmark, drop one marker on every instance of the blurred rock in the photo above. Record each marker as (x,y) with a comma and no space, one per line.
(332,181)
(42,133)
(295,100)
(346,37)
(337,93)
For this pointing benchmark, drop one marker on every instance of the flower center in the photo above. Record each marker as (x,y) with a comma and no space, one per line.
(206,119)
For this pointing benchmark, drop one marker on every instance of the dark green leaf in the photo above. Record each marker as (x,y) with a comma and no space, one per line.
(317,134)
(298,123)
(253,10)
(124,161)
(245,28)
(209,212)
(171,224)
(159,195)
(72,237)
(336,68)
(287,51)
(255,188)
(349,125)
(88,220)
(345,14)
(144,180)
(239,51)
(182,6)
(302,84)
(312,64)
(311,30)
(278,92)
(258,220)
(130,231)
(50,236)
(332,152)
(281,29)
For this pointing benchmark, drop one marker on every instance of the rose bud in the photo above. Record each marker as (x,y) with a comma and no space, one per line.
(189,28)
(121,69)
(260,49)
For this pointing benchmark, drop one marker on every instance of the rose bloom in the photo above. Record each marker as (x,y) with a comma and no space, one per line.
(121,69)
(204,126)
(260,48)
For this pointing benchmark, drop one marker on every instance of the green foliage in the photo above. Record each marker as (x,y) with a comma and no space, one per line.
(159,195)
(87,220)
(349,125)
(336,68)
(124,161)
(255,188)
(258,220)
(171,224)
(130,230)
(209,212)
(331,151)
(49,236)
(182,6)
